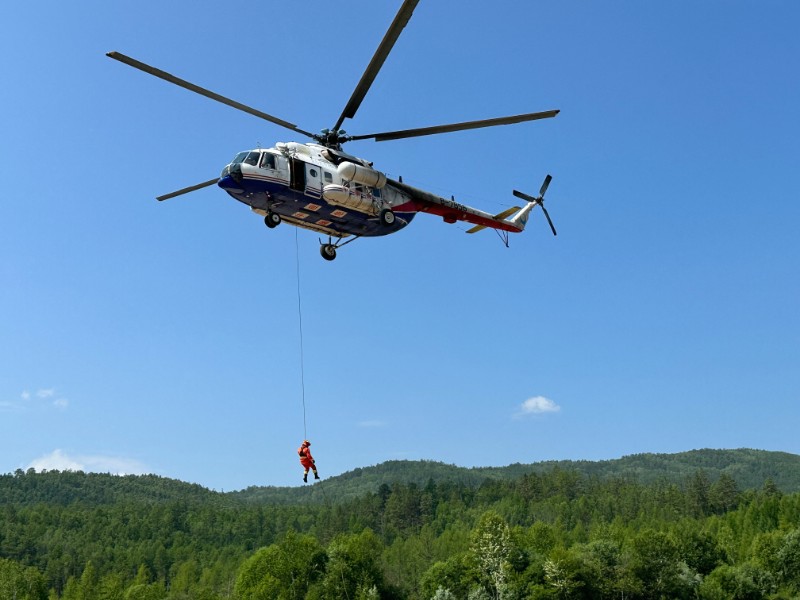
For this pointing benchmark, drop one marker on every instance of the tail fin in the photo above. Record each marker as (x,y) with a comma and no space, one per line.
(521,218)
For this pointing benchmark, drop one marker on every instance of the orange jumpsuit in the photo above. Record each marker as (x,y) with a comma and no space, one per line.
(307,460)
(305,457)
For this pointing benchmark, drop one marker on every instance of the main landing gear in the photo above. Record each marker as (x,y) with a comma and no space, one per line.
(386,217)
(328,251)
(272,220)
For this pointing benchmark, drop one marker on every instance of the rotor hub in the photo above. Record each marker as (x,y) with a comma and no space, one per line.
(332,138)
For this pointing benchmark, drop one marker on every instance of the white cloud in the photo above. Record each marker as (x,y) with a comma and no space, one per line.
(58,460)
(372,423)
(47,395)
(536,406)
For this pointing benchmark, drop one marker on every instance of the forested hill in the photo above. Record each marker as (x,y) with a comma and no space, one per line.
(97,489)
(749,468)
(706,524)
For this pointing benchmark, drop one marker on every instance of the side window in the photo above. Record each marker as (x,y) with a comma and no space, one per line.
(268,161)
(252,158)
(328,177)
(376,192)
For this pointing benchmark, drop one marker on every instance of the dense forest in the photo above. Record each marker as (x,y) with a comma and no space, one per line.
(679,529)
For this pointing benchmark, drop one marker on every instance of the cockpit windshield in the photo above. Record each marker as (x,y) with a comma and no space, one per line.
(249,158)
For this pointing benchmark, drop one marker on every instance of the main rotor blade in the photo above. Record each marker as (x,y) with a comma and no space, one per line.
(406,133)
(204,92)
(186,190)
(385,47)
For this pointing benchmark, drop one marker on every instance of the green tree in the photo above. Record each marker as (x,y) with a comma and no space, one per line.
(697,494)
(789,561)
(747,581)
(111,587)
(457,575)
(562,574)
(353,566)
(284,571)
(145,591)
(604,564)
(21,583)
(699,549)
(491,548)
(85,588)
(723,495)
(655,565)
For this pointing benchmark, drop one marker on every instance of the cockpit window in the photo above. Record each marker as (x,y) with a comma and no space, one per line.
(239,157)
(252,158)
(268,161)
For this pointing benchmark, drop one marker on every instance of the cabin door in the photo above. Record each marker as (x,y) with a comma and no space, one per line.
(298,175)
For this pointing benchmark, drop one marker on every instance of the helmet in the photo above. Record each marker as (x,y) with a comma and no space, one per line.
(306,443)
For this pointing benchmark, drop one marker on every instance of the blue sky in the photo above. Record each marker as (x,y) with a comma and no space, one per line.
(163,337)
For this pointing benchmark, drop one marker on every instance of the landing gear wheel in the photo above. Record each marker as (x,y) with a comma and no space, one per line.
(272,220)
(328,251)
(387,217)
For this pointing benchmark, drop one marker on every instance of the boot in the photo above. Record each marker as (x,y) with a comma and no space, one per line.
(305,477)
(316,475)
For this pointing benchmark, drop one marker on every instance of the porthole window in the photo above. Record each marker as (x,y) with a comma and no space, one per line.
(312,172)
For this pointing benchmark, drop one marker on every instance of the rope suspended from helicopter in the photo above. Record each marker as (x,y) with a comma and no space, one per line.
(300,323)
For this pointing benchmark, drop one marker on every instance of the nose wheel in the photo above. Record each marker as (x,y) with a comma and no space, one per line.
(272,220)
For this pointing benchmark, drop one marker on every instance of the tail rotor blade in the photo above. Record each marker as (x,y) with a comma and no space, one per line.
(524,196)
(549,220)
(545,185)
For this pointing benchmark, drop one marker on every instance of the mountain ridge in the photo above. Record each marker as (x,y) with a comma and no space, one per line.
(749,468)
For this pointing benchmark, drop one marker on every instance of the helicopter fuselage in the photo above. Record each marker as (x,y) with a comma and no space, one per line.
(317,188)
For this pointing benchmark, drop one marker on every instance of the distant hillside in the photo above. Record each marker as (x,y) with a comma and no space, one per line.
(749,468)
(93,489)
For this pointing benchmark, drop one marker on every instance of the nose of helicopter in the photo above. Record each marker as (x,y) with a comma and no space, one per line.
(231,178)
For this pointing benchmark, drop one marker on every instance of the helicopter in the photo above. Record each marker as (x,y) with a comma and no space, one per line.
(317,186)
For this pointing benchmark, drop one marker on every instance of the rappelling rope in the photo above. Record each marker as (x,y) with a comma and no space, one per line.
(300,320)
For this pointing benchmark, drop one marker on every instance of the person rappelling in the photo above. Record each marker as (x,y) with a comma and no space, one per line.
(307,460)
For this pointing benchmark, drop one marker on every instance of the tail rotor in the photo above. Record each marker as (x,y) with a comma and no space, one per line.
(540,200)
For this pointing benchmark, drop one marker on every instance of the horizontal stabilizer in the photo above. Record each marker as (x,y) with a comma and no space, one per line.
(502,215)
